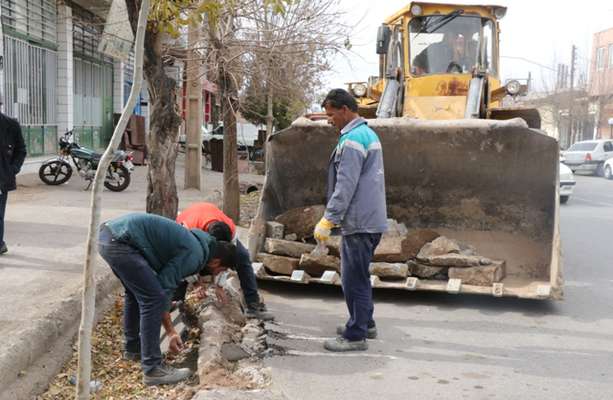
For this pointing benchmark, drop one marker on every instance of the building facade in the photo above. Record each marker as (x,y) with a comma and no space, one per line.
(52,77)
(601,83)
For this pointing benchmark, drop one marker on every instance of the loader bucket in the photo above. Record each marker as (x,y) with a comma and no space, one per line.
(491,184)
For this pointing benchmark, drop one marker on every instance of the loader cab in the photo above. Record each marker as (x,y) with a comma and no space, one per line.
(444,44)
(433,51)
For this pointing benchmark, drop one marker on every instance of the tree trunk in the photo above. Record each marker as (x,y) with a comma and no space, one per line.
(229,101)
(89,287)
(163,131)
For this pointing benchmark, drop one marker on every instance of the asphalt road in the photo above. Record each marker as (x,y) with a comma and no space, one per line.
(440,346)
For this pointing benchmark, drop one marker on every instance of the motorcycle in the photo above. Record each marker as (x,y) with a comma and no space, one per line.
(58,170)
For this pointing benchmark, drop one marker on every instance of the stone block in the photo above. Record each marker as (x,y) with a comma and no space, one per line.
(425,271)
(287,248)
(481,275)
(274,230)
(389,270)
(301,221)
(439,246)
(316,266)
(458,260)
(233,352)
(390,250)
(415,240)
(278,264)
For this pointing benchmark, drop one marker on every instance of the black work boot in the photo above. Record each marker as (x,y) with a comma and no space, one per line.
(3,248)
(166,375)
(371,333)
(259,311)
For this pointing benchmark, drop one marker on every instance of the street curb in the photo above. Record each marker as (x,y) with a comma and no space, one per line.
(28,364)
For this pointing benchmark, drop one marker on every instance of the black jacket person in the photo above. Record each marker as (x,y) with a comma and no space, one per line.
(12,154)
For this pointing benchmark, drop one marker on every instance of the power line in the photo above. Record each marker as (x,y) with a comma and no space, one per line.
(530,61)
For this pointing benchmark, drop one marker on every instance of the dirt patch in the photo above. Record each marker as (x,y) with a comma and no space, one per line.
(121,379)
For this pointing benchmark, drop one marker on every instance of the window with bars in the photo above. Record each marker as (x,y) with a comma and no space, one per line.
(29,82)
(35,19)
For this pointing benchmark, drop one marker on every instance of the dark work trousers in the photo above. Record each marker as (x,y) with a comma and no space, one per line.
(246,275)
(356,253)
(3,199)
(145,300)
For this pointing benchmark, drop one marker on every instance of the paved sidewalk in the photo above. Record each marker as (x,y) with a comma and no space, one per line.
(40,277)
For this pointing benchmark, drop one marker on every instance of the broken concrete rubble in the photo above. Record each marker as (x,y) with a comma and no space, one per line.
(278,264)
(287,248)
(389,270)
(480,276)
(316,266)
(301,221)
(291,237)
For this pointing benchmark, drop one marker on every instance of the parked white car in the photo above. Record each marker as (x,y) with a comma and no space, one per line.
(589,155)
(567,183)
(246,134)
(608,168)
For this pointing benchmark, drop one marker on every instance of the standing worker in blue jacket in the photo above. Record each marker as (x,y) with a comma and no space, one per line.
(356,204)
(151,255)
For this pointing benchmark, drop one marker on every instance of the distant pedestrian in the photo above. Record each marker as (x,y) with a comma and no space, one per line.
(12,155)
(356,204)
(151,256)
(211,219)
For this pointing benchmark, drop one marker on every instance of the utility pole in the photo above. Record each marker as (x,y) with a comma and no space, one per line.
(193,152)
(571,96)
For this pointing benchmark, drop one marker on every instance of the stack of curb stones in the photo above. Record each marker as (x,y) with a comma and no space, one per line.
(402,253)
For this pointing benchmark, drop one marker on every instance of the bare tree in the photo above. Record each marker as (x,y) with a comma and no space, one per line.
(292,50)
(89,287)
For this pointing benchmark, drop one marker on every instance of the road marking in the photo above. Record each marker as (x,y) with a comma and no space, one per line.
(316,338)
(598,203)
(331,354)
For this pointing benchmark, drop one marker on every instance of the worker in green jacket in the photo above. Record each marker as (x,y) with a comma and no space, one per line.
(152,255)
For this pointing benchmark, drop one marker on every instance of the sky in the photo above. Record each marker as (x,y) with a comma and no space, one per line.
(540,31)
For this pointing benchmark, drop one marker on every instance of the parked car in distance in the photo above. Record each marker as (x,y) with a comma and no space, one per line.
(246,136)
(608,168)
(589,156)
(567,183)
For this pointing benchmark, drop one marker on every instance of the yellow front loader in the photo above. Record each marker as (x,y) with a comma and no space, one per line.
(456,160)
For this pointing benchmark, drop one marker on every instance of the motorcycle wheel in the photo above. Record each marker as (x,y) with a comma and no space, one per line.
(55,172)
(119,179)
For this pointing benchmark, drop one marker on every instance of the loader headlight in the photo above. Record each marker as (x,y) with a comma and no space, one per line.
(500,12)
(359,90)
(513,87)
(416,10)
